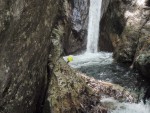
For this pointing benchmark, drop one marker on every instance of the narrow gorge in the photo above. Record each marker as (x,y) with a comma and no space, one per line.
(108,40)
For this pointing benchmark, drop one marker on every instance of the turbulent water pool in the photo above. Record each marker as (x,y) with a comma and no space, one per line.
(101,66)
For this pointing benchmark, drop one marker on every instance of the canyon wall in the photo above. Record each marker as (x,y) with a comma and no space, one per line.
(25,39)
(76,27)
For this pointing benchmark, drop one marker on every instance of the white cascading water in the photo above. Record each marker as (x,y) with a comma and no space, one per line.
(118,107)
(93,26)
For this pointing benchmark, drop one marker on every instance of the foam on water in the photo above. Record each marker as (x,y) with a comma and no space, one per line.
(117,107)
(90,59)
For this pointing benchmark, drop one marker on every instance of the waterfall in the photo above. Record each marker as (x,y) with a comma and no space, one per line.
(93,26)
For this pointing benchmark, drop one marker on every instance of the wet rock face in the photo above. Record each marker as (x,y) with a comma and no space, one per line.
(142,60)
(137,22)
(25,27)
(111,25)
(77,25)
(126,25)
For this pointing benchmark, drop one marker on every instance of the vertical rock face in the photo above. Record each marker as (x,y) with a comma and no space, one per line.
(111,24)
(77,23)
(25,28)
(126,25)
(104,7)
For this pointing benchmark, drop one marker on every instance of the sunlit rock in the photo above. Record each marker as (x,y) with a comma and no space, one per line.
(125,27)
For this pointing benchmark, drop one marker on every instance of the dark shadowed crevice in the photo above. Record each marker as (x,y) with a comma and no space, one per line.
(72,3)
(148,3)
(146,95)
(45,106)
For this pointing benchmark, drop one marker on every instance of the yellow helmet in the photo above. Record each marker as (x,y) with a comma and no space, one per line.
(70,58)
